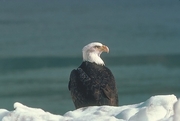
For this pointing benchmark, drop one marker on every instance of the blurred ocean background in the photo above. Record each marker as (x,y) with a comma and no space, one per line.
(41,42)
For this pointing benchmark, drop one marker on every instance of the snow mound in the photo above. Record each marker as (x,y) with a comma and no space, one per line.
(157,108)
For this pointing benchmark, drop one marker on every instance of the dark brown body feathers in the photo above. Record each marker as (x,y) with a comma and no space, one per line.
(92,85)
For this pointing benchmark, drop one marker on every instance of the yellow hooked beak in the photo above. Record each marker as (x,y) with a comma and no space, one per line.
(104,48)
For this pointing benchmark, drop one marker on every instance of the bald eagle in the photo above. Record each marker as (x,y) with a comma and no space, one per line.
(92,83)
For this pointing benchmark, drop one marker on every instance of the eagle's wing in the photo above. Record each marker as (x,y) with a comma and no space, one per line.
(73,87)
(111,94)
(109,88)
(77,87)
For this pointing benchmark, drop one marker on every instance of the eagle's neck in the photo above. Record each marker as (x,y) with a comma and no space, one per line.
(93,58)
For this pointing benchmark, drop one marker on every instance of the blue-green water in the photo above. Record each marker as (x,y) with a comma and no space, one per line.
(41,42)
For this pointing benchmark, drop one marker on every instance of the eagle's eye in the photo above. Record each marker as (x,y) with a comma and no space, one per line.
(97,46)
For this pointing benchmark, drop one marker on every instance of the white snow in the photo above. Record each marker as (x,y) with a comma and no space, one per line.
(157,108)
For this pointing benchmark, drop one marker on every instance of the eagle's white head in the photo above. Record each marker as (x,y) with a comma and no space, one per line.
(92,52)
